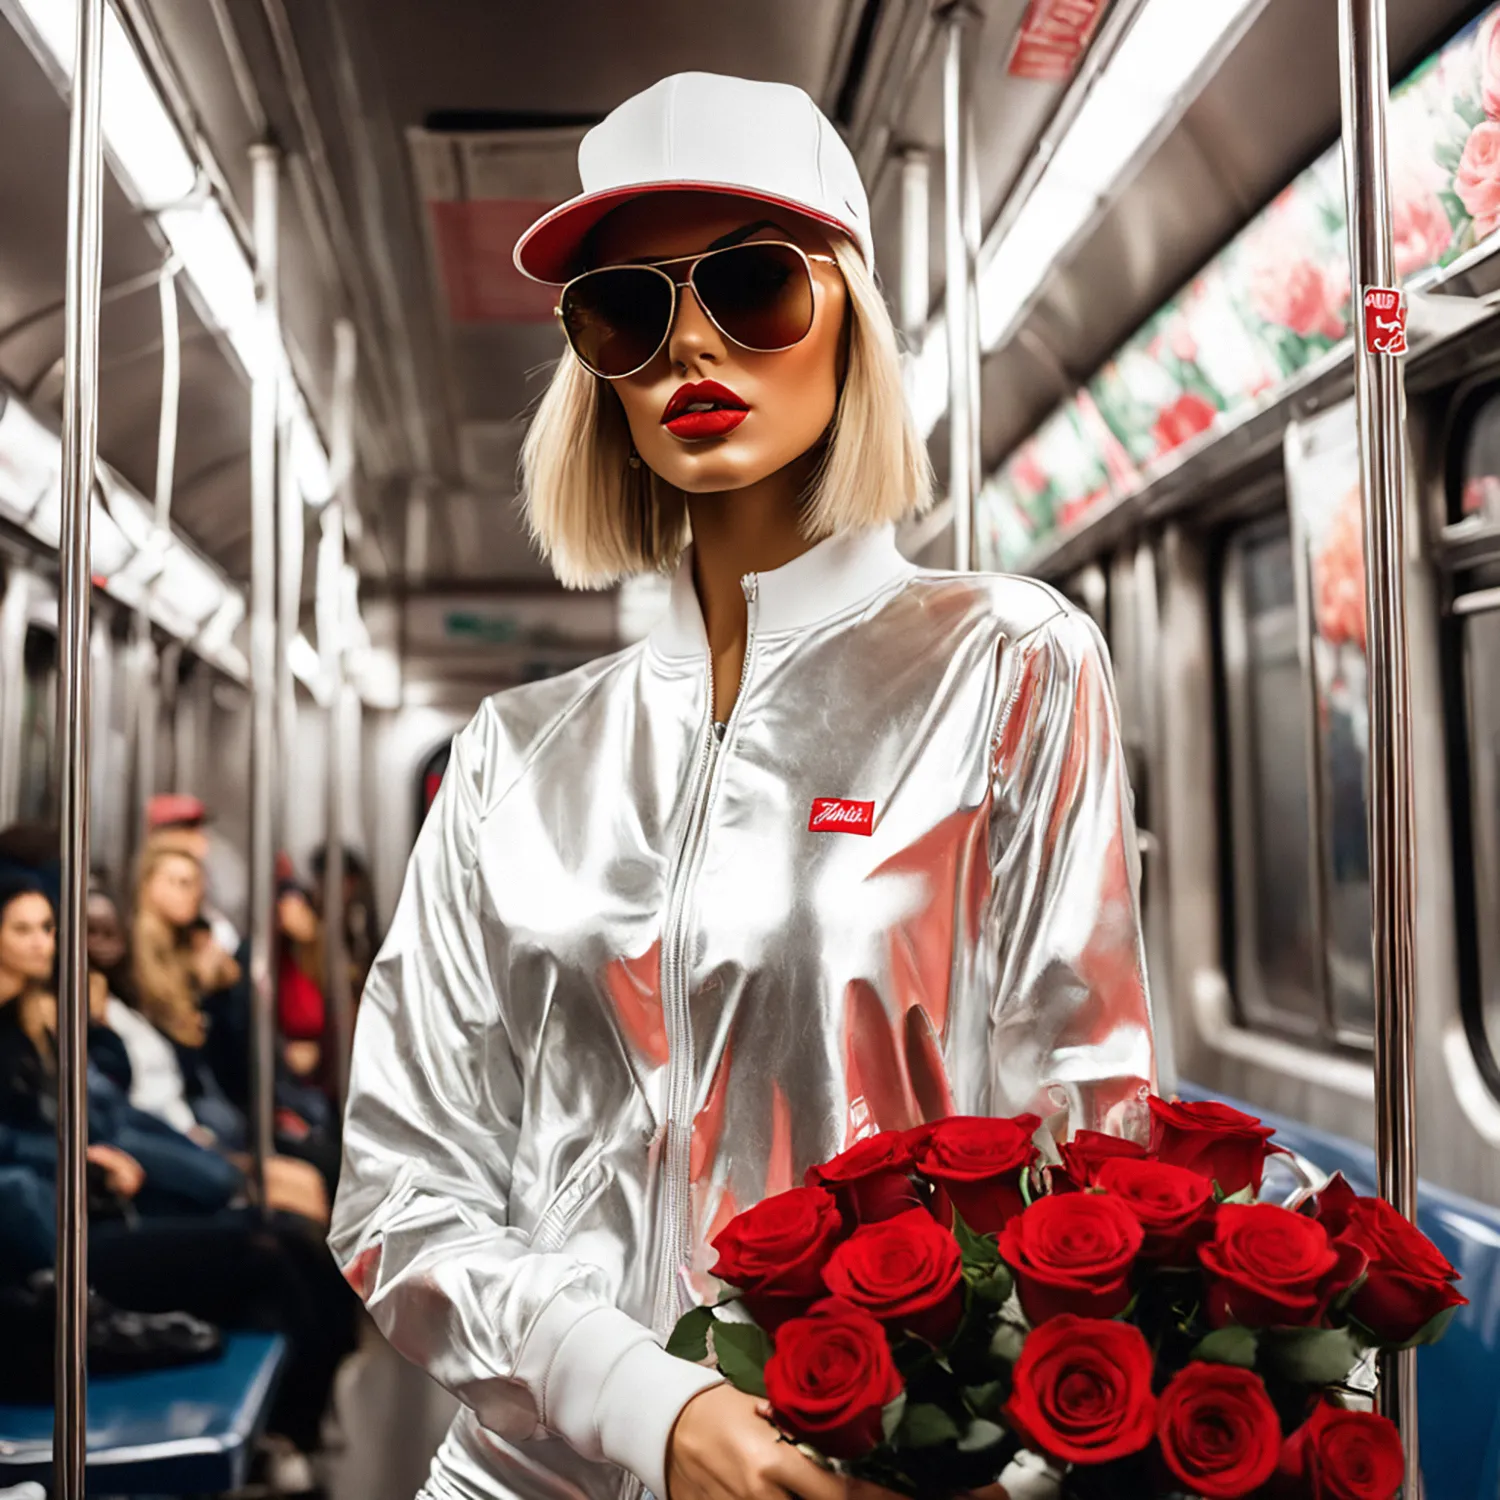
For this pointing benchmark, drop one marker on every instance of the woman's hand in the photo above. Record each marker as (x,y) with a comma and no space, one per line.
(722,1448)
(124,1174)
(295,1187)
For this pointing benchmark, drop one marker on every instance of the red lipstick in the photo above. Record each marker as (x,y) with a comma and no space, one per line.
(703,409)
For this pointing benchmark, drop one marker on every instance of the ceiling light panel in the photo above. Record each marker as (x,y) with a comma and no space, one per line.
(1143,88)
(138,131)
(212,257)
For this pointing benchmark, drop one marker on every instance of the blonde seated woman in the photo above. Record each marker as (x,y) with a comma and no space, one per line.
(172,965)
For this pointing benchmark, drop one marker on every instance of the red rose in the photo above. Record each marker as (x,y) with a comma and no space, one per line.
(1343,1455)
(1213,1139)
(1270,1268)
(775,1253)
(1408,1280)
(906,1271)
(978,1162)
(870,1179)
(1081,1391)
(1175,1206)
(1072,1254)
(1089,1150)
(830,1379)
(1218,1431)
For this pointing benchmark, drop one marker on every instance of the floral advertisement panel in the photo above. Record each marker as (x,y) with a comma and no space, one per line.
(1277,299)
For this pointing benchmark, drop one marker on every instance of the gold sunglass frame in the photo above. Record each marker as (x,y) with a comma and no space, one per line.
(692,262)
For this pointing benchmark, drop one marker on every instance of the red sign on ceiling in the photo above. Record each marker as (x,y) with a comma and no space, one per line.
(1053,37)
(474,241)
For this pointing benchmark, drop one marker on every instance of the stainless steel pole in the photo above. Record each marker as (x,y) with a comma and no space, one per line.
(332,635)
(264,404)
(80,434)
(290,546)
(1381,400)
(961,253)
(916,227)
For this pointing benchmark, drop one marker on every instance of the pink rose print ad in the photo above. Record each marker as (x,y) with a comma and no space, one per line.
(1269,306)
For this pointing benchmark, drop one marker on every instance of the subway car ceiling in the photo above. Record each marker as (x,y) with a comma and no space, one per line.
(416,141)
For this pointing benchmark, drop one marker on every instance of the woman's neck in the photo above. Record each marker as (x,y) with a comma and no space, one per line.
(11,985)
(735,532)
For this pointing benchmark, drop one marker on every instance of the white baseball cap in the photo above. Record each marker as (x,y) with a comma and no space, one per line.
(712,134)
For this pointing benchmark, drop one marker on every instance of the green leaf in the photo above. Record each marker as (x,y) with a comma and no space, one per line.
(728,1294)
(690,1337)
(1310,1356)
(925,1426)
(742,1350)
(984,1398)
(992,1285)
(1006,1343)
(978,1250)
(980,1435)
(1228,1346)
(1246,1194)
(891,1414)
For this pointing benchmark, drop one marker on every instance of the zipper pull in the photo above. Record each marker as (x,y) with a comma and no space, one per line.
(750,585)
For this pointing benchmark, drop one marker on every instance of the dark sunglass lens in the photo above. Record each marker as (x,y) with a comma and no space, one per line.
(760,295)
(617,317)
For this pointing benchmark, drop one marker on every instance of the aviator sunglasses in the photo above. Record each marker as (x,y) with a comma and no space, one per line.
(758,295)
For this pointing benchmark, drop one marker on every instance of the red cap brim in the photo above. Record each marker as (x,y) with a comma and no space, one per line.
(549,251)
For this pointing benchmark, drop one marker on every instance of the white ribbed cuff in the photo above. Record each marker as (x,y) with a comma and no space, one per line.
(610,1390)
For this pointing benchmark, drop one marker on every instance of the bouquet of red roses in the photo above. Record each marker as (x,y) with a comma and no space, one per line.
(941,1305)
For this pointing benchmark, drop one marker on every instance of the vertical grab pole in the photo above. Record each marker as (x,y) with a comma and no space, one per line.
(331,641)
(264,404)
(916,227)
(961,253)
(1381,400)
(80,435)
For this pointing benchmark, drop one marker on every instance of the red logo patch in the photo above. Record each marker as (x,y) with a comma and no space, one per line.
(840,815)
(1385,320)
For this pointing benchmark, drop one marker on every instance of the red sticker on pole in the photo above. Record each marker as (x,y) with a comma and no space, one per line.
(1385,320)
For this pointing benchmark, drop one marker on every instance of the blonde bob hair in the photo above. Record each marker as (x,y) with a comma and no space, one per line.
(598,520)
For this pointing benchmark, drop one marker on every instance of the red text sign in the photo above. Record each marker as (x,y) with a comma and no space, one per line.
(1385,321)
(840,815)
(1053,37)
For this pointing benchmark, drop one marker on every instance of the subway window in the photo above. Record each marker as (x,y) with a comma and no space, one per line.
(38,784)
(1476,495)
(1270,802)
(1475,492)
(1298,766)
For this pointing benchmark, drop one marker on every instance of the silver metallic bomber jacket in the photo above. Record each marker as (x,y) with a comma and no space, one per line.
(641,976)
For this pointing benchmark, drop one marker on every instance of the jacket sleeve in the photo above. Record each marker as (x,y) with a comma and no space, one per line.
(530,1340)
(1070,1014)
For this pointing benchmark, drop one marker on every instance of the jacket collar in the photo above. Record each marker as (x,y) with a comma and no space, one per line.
(824,581)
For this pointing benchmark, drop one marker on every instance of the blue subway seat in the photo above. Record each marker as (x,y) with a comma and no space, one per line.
(1458,1379)
(189,1430)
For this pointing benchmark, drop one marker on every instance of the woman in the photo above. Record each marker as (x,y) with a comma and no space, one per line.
(174,960)
(175,1175)
(844,845)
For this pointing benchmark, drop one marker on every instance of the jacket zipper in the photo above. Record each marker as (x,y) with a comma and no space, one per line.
(676,1242)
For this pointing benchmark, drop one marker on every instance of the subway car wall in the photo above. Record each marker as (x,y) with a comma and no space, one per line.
(310,553)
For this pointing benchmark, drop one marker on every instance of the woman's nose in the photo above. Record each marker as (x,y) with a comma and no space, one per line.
(694,338)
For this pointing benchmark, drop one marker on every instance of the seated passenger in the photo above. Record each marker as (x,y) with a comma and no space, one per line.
(299,996)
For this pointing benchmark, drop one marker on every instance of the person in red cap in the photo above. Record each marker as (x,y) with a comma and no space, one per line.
(845,845)
(181,820)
